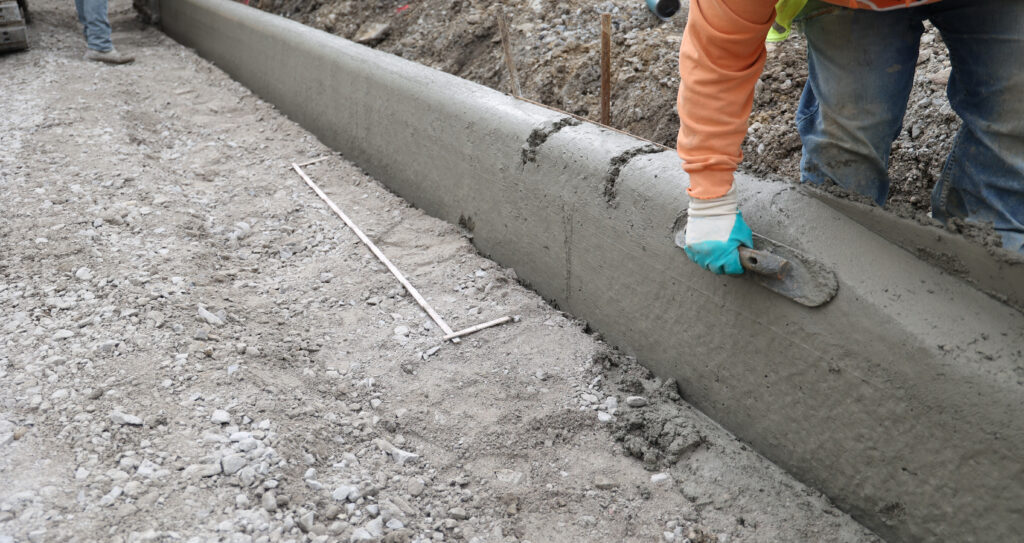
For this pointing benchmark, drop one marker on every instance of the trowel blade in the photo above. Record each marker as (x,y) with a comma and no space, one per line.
(807,281)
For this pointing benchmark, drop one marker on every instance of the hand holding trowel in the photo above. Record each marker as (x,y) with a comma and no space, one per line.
(717,238)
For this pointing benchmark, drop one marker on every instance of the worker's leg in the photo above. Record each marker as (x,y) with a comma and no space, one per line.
(860,72)
(80,8)
(983,179)
(93,16)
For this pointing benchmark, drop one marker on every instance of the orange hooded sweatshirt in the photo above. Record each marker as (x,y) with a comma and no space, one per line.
(720,61)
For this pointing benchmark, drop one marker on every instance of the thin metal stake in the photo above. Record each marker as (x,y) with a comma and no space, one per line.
(376,252)
(449,334)
(506,46)
(477,328)
(606,68)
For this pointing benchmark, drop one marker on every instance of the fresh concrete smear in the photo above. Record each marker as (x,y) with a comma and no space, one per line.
(900,398)
(992,269)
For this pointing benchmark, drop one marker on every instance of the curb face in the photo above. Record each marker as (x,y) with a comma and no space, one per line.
(901,399)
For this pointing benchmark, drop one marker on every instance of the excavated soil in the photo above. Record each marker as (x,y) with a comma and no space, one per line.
(556,48)
(192,348)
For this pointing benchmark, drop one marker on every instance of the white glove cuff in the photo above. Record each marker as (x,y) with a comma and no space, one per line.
(725,205)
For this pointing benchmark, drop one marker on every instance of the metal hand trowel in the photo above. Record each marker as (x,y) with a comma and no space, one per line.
(787,272)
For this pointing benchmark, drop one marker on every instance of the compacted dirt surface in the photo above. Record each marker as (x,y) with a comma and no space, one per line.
(556,46)
(193,349)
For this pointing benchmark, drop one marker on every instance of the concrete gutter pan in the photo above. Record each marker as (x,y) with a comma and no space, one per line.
(902,399)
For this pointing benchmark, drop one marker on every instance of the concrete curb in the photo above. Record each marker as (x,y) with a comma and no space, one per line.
(901,399)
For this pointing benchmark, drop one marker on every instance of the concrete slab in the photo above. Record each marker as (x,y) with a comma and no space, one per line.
(900,399)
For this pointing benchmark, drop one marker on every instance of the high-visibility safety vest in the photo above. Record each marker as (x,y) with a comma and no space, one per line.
(785,12)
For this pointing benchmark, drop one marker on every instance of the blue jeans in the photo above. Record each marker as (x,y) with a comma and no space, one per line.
(861,70)
(93,16)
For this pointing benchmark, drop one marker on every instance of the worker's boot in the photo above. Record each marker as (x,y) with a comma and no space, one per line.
(109,57)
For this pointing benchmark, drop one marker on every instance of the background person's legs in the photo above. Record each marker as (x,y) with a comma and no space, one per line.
(93,16)
(983,179)
(860,73)
(80,8)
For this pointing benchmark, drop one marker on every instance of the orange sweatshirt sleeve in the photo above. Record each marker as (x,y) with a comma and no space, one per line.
(720,61)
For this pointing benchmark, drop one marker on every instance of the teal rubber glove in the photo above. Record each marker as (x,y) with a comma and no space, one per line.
(714,232)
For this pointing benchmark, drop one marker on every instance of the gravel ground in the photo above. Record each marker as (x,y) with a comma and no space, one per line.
(193,349)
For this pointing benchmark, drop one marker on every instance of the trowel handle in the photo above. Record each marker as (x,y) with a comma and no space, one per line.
(763,263)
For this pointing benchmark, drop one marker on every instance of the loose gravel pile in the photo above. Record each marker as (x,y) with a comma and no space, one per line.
(192,348)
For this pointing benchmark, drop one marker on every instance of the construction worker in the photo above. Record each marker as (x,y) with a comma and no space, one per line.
(93,16)
(861,58)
